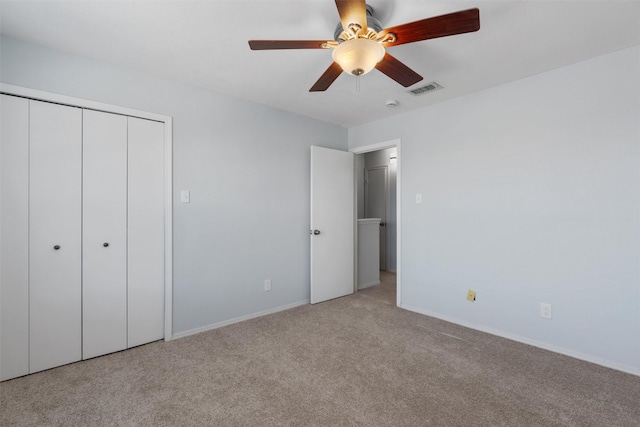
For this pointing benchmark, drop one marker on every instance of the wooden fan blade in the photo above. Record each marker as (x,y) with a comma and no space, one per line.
(352,12)
(398,71)
(327,78)
(465,21)
(287,44)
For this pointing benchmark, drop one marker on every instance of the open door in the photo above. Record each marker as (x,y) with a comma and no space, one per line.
(332,224)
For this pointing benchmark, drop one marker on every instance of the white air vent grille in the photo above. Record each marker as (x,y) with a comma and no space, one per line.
(429,87)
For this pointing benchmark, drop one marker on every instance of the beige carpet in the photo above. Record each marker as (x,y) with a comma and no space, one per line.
(357,360)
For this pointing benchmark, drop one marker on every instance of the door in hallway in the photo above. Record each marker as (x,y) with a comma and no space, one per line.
(375,204)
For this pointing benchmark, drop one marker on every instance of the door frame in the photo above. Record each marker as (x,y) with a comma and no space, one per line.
(394,143)
(39,95)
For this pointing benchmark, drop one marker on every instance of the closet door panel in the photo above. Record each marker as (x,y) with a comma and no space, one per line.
(54,235)
(146,231)
(104,234)
(14,229)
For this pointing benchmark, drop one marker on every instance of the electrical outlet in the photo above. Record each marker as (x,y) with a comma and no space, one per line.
(545,310)
(471,295)
(267,285)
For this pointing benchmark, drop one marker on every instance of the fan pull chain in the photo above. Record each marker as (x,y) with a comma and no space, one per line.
(357,84)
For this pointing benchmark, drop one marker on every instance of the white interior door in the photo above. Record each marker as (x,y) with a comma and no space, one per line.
(104,234)
(55,214)
(146,231)
(375,204)
(332,224)
(14,229)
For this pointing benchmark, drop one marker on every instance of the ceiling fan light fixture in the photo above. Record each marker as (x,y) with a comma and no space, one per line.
(360,41)
(358,56)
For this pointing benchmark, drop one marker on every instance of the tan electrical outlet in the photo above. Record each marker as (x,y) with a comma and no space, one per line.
(471,295)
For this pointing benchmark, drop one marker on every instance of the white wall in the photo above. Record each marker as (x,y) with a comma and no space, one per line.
(247,167)
(531,193)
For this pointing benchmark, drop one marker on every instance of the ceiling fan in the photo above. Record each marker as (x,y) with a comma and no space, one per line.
(360,42)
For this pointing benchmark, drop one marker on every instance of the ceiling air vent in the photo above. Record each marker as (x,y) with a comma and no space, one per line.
(429,87)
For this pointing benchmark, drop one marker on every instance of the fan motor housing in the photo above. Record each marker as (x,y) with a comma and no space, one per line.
(372,23)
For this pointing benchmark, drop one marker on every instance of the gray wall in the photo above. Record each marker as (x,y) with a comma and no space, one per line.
(247,167)
(531,193)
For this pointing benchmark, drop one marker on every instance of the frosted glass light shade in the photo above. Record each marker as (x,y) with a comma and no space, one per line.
(358,56)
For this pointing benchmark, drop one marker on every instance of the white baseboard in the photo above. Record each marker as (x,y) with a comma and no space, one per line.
(237,320)
(366,285)
(545,346)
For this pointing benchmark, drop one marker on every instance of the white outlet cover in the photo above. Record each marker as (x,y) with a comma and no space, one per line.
(418,198)
(545,310)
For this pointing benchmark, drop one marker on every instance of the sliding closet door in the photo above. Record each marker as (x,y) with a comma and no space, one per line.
(146,231)
(14,229)
(55,174)
(104,234)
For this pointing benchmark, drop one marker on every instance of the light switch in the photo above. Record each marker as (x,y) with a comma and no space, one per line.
(184,196)
(418,198)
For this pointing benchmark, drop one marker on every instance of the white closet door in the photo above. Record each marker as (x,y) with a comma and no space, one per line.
(146,231)
(104,233)
(14,230)
(54,235)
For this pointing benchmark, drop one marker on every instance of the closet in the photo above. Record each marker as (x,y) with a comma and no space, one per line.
(82,234)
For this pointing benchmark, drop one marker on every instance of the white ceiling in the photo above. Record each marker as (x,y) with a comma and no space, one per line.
(204,43)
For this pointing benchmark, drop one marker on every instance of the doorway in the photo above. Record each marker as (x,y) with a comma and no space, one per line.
(370,164)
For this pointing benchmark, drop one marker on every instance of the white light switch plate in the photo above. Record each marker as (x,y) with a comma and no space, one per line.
(185,196)
(418,199)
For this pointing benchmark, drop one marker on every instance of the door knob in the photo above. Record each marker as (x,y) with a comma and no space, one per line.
(56,247)
(105,244)
(316,232)
(382,224)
